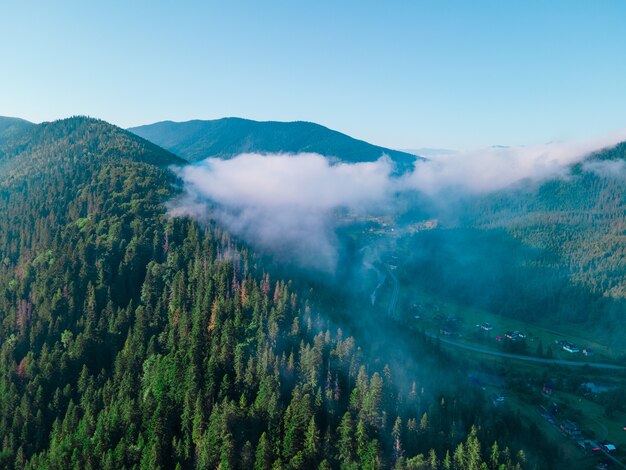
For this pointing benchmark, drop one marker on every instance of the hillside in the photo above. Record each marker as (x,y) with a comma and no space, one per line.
(582,218)
(225,138)
(130,339)
(47,168)
(551,252)
(9,127)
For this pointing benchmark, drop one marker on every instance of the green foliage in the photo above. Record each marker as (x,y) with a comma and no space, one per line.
(582,218)
(134,340)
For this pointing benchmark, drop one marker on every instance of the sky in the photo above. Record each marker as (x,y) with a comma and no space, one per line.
(403,74)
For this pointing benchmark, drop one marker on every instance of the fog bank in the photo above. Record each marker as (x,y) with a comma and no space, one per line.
(286,205)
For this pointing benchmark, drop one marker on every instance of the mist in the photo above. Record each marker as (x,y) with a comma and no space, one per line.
(606,168)
(291,206)
(495,168)
(285,205)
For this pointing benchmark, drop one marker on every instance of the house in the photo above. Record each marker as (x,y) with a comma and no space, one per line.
(548,387)
(608,447)
(570,348)
(515,335)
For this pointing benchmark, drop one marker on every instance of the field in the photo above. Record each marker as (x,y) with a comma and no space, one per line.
(428,313)
(433,310)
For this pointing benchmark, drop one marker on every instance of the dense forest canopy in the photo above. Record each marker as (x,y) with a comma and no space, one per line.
(582,217)
(130,339)
(549,252)
(10,127)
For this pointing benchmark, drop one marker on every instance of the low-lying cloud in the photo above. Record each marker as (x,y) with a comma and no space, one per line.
(495,168)
(606,168)
(286,205)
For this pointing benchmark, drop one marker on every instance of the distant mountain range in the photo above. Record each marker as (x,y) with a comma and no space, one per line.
(119,324)
(428,152)
(228,137)
(582,218)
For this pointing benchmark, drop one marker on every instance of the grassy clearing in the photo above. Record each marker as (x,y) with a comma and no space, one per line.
(569,448)
(430,306)
(595,420)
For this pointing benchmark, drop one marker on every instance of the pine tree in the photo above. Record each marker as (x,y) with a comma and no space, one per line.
(263,455)
(433,462)
(472,449)
(494,456)
(311,441)
(396,433)
(447,461)
(345,444)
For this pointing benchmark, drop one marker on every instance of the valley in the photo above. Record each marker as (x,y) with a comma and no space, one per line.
(440,318)
(312,235)
(516,360)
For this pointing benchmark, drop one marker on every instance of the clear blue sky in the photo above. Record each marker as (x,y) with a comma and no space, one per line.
(402,74)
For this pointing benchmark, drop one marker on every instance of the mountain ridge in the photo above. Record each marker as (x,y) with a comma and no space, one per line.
(131,339)
(83,128)
(227,137)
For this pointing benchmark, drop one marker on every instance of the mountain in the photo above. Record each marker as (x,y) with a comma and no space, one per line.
(582,218)
(551,252)
(46,169)
(132,339)
(228,137)
(11,127)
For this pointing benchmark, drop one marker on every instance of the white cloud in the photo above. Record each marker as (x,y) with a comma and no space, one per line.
(494,168)
(285,204)
(606,168)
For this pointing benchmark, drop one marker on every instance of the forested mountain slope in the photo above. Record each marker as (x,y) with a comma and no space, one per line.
(9,127)
(228,137)
(133,340)
(551,252)
(581,217)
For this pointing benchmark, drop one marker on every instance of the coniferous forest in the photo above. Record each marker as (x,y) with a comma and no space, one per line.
(132,339)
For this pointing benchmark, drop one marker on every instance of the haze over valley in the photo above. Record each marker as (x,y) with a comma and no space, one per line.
(281,236)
